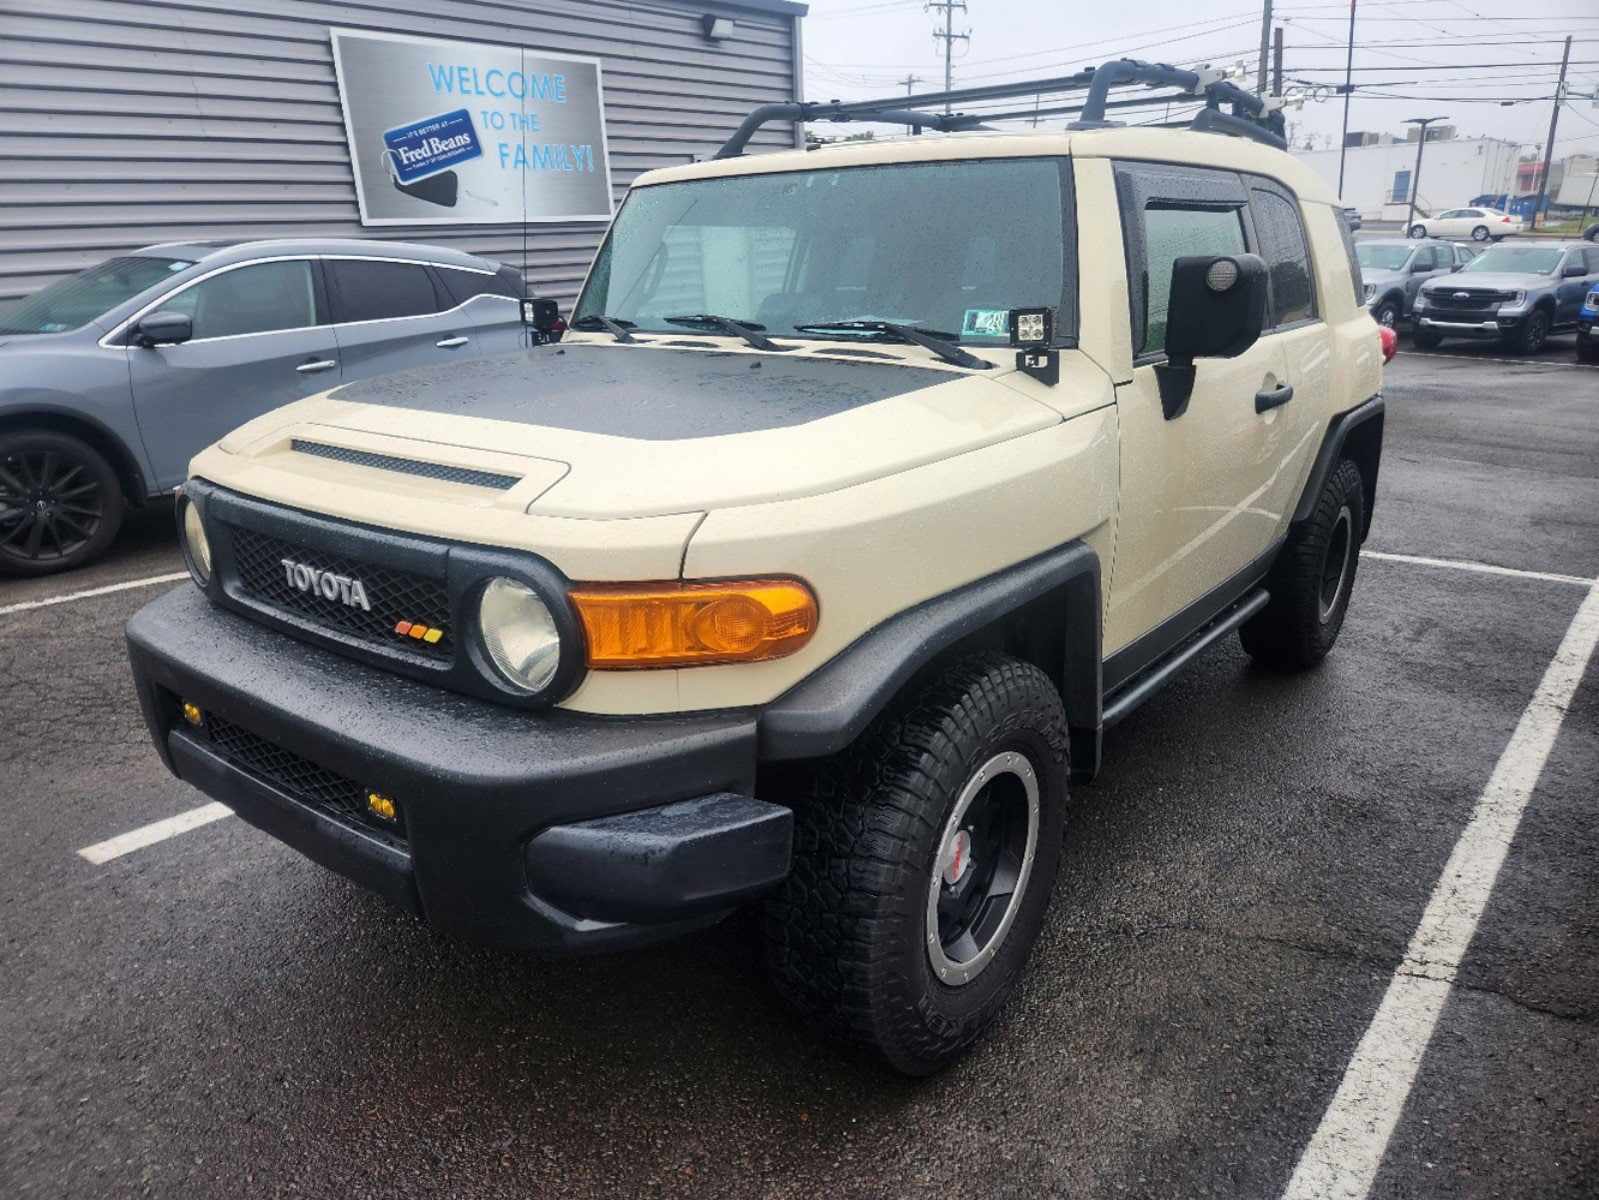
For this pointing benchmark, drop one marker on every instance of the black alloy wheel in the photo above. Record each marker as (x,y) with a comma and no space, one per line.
(1387,313)
(60,503)
(1532,335)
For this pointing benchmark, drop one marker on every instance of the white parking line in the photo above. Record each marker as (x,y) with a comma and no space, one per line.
(149,581)
(159,831)
(1460,564)
(1346,1152)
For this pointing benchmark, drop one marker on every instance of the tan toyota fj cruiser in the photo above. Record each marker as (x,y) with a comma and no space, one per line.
(872,485)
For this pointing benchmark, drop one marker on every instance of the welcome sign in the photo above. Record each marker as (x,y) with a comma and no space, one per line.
(461,133)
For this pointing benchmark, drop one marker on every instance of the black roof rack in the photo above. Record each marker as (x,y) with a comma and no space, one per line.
(1249,116)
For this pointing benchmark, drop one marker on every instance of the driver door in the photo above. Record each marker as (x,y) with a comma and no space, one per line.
(260,341)
(1196,508)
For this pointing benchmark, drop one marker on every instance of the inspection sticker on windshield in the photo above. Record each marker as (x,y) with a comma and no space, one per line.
(428,146)
(986,323)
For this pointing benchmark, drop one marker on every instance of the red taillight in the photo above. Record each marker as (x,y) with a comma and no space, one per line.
(1390,343)
(1504,220)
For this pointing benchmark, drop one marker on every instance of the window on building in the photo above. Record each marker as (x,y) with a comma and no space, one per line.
(1401,192)
(258,298)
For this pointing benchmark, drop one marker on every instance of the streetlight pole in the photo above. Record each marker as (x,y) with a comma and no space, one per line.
(1415,179)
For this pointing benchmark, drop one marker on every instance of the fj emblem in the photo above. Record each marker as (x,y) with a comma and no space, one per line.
(312,582)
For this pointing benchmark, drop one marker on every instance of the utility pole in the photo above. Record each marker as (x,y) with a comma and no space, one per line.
(1415,181)
(1265,48)
(1549,147)
(949,37)
(1349,86)
(911,81)
(1277,61)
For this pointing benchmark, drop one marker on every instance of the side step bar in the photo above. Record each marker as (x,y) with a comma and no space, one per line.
(1141,687)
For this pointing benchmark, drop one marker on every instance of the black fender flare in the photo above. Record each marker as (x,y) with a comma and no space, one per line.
(830,708)
(1357,434)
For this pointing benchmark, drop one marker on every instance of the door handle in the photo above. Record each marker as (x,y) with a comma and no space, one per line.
(311,368)
(1274,398)
(450,343)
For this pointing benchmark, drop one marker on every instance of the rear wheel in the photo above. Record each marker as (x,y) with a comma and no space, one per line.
(924,858)
(1312,579)
(1425,339)
(60,503)
(1480,234)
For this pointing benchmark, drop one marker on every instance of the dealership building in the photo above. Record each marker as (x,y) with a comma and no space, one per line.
(506,128)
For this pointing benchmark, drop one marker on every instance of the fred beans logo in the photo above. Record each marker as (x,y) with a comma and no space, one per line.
(346,589)
(422,148)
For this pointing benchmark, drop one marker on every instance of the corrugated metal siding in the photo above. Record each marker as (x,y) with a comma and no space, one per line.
(130,122)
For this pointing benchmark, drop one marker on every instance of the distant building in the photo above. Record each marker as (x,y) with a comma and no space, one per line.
(1379,171)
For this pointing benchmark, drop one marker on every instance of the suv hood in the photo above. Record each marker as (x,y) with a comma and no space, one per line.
(608,430)
(1489,281)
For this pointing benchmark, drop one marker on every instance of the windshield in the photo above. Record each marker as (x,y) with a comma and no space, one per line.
(1375,256)
(1518,260)
(73,302)
(949,247)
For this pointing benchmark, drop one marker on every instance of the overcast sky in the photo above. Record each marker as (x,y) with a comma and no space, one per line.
(1418,58)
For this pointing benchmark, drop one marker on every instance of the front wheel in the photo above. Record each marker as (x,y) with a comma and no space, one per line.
(1480,234)
(1418,231)
(1387,313)
(60,503)
(924,859)
(1588,349)
(1425,339)
(1534,332)
(1312,579)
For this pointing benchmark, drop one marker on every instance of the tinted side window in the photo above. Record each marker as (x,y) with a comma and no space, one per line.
(463,285)
(1593,260)
(1282,245)
(1170,233)
(255,299)
(1354,259)
(364,290)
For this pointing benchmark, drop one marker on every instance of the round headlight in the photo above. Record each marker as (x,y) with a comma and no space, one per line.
(519,633)
(195,542)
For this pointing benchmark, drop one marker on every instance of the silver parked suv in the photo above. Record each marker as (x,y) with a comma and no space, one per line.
(1514,295)
(112,379)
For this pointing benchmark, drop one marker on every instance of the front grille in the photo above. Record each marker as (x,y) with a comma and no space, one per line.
(316,787)
(406,466)
(1474,301)
(395,596)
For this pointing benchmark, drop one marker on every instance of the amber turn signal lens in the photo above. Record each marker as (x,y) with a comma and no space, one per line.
(193,715)
(633,625)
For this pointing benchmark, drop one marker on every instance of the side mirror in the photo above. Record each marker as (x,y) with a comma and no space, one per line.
(542,316)
(1575,268)
(163,329)
(1217,310)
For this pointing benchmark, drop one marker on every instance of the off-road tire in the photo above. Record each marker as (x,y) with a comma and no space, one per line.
(1387,313)
(1480,234)
(847,933)
(1300,624)
(83,495)
(1532,335)
(1425,339)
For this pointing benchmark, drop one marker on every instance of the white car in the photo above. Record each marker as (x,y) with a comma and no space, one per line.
(1479,224)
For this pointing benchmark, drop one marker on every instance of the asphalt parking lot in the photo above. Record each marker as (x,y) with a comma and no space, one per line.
(212,1015)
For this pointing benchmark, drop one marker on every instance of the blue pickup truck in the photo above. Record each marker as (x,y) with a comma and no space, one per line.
(1587,320)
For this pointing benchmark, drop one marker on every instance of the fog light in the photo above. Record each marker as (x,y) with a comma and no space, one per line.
(193,715)
(380,806)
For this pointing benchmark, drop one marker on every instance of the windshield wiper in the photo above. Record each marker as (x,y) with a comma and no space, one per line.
(939,342)
(611,325)
(749,331)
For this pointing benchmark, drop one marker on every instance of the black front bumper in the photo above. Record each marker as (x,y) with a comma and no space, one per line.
(511,825)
